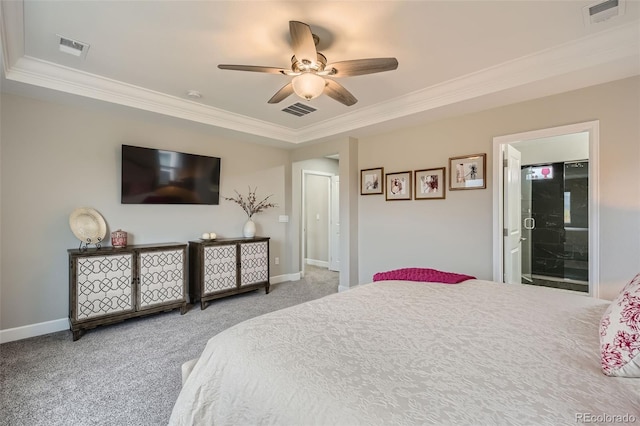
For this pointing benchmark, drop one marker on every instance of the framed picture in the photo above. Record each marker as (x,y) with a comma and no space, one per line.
(468,172)
(398,186)
(429,184)
(371,181)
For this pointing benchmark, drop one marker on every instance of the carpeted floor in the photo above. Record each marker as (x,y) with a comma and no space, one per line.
(128,373)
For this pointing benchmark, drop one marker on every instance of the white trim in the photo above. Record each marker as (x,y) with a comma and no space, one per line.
(318,263)
(33,330)
(284,278)
(593,128)
(346,288)
(607,46)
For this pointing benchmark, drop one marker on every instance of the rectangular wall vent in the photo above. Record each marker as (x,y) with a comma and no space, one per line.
(299,109)
(602,11)
(72,47)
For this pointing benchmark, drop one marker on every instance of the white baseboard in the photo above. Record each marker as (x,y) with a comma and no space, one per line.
(284,278)
(345,288)
(319,263)
(33,330)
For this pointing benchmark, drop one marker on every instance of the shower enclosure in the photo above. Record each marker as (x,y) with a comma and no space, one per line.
(555,225)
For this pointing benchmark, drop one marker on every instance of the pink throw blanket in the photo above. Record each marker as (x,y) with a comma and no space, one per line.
(422,274)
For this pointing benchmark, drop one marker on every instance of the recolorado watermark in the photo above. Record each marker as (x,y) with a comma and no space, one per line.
(605,418)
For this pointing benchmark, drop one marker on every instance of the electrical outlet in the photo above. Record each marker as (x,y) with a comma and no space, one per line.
(277,260)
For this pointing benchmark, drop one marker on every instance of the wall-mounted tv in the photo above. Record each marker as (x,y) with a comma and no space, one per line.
(155,176)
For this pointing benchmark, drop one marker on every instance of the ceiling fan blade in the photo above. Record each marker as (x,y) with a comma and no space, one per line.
(304,48)
(253,68)
(361,66)
(339,93)
(282,94)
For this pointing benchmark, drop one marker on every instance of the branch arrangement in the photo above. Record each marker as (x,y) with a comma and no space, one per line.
(249,204)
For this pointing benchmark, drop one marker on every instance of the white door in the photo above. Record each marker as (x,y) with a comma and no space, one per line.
(512,216)
(334,232)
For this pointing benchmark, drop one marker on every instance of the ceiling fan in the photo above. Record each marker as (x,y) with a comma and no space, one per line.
(309,69)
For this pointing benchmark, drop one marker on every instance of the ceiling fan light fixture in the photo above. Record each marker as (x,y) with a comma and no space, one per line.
(308,85)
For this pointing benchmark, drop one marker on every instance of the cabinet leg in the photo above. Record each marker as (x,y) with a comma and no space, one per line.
(183,309)
(266,289)
(77,334)
(203,304)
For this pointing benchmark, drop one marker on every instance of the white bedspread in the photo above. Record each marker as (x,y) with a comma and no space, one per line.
(396,352)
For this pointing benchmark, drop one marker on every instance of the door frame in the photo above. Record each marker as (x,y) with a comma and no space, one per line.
(334,199)
(499,142)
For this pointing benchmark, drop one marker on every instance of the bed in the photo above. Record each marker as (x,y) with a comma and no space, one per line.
(405,352)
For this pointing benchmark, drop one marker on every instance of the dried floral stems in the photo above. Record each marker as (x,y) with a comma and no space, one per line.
(249,204)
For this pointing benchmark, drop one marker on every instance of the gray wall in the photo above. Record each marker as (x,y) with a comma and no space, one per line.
(455,234)
(55,158)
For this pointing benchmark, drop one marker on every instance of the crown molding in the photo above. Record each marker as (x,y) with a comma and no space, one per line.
(596,49)
(53,76)
(11,32)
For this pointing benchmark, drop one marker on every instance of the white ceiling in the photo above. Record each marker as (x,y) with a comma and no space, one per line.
(454,57)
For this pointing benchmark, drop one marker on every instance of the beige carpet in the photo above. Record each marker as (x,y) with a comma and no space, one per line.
(128,373)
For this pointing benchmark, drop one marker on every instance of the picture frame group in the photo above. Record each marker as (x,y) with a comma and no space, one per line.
(425,184)
(465,172)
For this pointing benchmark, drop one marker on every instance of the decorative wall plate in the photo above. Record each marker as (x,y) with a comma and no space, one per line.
(87,225)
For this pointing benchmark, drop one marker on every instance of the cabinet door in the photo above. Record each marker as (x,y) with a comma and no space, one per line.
(104,285)
(220,268)
(161,277)
(254,263)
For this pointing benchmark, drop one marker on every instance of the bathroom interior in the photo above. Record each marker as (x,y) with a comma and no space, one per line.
(555,215)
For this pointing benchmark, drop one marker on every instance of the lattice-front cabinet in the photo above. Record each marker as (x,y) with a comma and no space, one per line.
(223,267)
(109,285)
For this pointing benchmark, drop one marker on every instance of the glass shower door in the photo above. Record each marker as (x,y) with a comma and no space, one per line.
(528,224)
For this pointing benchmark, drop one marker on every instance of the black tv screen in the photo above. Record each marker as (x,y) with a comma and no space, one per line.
(154,176)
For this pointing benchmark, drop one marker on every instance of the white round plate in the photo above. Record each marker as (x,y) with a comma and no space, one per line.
(87,225)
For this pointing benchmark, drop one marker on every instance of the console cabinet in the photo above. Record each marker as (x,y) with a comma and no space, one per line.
(224,267)
(109,285)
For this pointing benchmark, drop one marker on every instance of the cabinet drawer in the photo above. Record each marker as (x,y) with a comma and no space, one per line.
(104,285)
(161,277)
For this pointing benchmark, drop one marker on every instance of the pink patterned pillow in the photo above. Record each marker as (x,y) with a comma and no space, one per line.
(620,333)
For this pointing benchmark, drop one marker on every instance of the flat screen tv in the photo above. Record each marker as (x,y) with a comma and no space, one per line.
(155,176)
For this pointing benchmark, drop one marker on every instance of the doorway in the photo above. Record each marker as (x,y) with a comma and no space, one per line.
(320,221)
(546,208)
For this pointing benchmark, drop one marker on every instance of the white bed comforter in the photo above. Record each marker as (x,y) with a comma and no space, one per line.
(397,352)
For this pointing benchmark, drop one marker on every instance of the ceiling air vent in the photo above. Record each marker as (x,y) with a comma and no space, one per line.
(603,10)
(72,47)
(299,109)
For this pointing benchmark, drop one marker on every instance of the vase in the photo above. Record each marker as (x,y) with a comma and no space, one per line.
(249,229)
